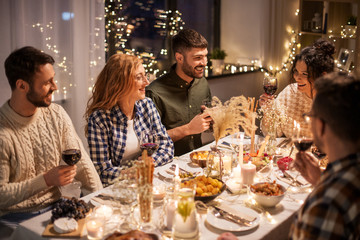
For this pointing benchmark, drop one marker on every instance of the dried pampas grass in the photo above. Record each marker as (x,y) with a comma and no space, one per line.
(228,117)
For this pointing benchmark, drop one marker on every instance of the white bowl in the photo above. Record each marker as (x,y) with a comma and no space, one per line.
(267,200)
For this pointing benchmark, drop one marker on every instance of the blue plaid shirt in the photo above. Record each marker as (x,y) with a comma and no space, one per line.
(107,133)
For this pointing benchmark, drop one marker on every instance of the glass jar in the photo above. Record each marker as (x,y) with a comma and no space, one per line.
(185,223)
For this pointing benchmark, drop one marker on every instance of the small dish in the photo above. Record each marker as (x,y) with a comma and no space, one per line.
(262,198)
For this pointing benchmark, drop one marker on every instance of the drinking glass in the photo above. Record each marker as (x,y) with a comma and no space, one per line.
(270,85)
(302,138)
(185,221)
(71,155)
(125,191)
(149,141)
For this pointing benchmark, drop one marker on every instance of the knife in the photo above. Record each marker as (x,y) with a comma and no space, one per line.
(234,218)
(287,175)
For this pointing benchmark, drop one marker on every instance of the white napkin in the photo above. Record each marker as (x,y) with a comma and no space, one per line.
(235,212)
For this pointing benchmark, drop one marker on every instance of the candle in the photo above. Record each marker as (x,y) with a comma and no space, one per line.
(104,211)
(95,226)
(170,212)
(248,172)
(237,172)
(241,149)
(176,172)
(158,193)
(252,146)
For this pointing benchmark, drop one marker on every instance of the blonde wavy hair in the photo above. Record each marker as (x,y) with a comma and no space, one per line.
(114,83)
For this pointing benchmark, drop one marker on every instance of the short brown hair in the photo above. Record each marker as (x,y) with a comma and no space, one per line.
(186,39)
(337,103)
(23,63)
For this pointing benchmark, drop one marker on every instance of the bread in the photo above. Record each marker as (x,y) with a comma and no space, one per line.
(133,235)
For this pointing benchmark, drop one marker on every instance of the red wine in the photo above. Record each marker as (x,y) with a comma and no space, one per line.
(71,156)
(270,89)
(150,147)
(303,144)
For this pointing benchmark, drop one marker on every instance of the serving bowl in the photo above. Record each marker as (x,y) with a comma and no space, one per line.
(267,194)
(206,199)
(199,158)
(206,186)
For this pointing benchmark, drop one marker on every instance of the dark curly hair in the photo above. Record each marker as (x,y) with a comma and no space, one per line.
(318,59)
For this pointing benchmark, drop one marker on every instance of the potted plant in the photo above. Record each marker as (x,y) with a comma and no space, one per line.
(217,57)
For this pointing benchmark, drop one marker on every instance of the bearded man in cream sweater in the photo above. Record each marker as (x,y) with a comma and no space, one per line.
(33,133)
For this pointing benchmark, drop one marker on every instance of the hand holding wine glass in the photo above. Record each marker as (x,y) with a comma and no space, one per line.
(302,138)
(149,141)
(71,156)
(270,85)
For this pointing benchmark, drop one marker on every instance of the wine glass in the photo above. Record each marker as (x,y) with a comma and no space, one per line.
(302,139)
(270,85)
(149,141)
(125,191)
(71,155)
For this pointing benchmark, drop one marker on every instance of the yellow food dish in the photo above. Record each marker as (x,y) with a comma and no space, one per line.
(205,186)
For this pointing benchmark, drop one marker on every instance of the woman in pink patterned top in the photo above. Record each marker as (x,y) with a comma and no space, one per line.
(296,99)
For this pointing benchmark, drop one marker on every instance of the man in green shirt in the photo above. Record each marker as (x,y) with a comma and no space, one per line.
(179,94)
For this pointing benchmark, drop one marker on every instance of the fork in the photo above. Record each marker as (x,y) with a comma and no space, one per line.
(241,222)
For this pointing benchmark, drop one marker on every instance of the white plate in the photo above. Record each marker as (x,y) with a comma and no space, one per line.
(226,225)
(166,172)
(279,175)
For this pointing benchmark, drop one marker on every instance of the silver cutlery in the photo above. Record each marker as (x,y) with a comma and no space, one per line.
(218,212)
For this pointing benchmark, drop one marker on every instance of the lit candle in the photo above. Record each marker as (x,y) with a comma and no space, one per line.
(104,211)
(237,172)
(248,172)
(241,149)
(95,227)
(170,212)
(158,193)
(177,177)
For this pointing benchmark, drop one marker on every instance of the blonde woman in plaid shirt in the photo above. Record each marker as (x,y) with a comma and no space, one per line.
(117,113)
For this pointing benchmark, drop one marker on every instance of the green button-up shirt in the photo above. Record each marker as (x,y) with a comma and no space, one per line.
(178,102)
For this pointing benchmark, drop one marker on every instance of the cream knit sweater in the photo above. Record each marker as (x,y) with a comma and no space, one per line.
(290,106)
(29,147)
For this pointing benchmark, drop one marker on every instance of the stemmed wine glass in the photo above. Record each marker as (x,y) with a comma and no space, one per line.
(71,156)
(126,192)
(270,85)
(302,139)
(149,141)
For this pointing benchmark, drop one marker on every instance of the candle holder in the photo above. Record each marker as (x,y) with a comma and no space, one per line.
(95,226)
(219,163)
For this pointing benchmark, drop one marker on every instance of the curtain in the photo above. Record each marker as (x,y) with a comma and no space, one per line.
(72,31)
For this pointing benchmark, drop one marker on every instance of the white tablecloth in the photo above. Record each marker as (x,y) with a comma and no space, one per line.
(274,222)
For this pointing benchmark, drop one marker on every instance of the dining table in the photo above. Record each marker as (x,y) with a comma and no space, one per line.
(273,222)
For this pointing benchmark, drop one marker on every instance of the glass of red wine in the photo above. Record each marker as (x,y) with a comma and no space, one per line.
(71,156)
(302,138)
(149,141)
(270,85)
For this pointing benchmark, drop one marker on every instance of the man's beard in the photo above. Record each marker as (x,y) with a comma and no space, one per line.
(36,100)
(190,71)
